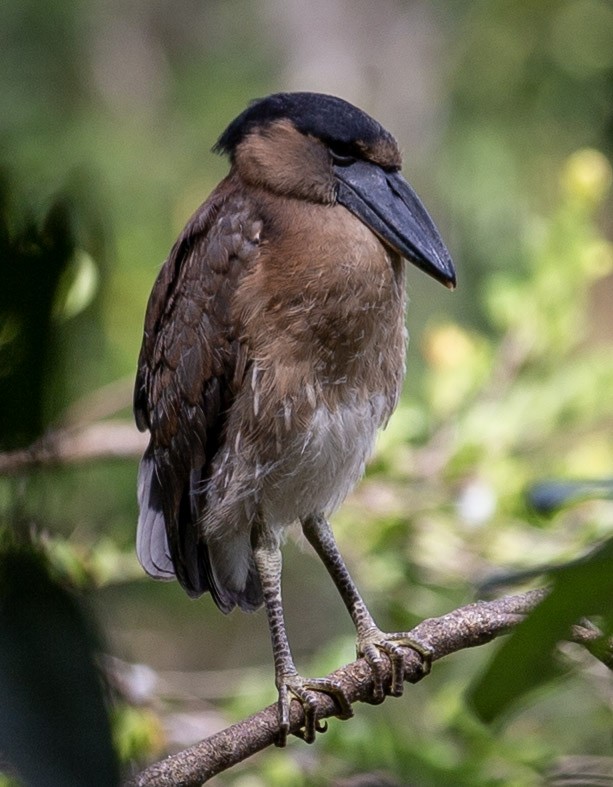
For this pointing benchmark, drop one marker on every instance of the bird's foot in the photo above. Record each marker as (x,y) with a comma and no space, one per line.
(373,642)
(305,691)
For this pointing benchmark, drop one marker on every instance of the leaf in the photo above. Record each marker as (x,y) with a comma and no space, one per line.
(527,660)
(77,286)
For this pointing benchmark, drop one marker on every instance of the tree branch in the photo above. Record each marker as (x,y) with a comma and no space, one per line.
(102,440)
(469,626)
(87,431)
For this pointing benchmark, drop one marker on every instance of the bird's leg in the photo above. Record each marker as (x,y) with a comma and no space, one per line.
(371,641)
(267,556)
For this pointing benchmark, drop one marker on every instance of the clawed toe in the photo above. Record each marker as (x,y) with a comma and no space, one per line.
(374,643)
(305,691)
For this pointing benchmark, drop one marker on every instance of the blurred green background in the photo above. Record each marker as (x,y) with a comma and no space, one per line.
(504,110)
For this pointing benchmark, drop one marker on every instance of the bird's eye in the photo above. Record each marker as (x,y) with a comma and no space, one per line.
(342,155)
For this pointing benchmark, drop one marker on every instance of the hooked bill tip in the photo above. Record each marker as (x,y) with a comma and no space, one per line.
(451,282)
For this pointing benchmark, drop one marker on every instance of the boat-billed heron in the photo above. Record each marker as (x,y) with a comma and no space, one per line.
(273,351)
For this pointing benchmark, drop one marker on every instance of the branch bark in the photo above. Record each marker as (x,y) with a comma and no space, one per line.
(467,627)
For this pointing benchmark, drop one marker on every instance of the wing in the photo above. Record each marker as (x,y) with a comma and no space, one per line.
(190,366)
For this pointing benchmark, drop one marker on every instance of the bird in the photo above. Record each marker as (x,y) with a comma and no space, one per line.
(273,351)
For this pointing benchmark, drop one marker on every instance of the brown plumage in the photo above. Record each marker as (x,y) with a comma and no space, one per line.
(273,351)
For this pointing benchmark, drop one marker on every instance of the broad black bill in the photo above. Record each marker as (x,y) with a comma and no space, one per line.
(387,204)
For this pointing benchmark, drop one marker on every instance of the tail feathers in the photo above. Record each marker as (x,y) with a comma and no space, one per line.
(151,542)
(223,567)
(252,597)
(166,551)
(232,577)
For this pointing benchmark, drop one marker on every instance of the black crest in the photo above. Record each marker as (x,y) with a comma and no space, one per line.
(331,119)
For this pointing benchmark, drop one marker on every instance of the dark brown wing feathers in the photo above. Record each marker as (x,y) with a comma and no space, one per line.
(190,366)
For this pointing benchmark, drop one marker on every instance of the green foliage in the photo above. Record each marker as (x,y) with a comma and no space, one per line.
(137,732)
(579,590)
(7,781)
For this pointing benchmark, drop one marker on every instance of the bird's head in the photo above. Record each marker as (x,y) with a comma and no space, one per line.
(322,149)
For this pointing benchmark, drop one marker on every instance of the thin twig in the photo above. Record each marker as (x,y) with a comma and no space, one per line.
(102,440)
